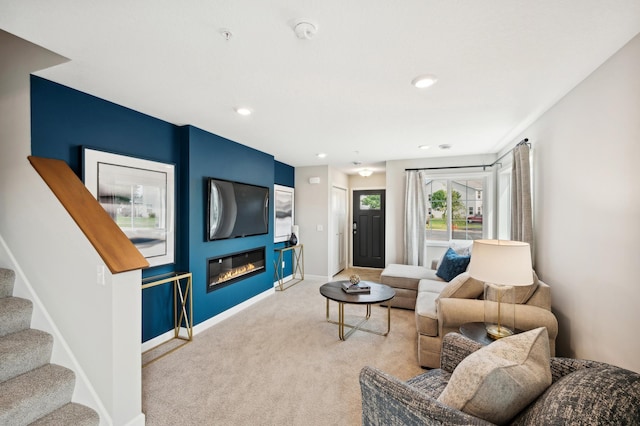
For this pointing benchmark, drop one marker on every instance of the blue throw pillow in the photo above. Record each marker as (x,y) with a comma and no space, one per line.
(452,265)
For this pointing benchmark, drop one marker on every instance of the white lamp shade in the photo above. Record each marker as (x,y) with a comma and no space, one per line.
(295,230)
(501,262)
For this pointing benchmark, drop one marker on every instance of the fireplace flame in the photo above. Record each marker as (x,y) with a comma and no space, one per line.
(245,269)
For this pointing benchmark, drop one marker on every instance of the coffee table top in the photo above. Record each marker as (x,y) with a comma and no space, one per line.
(379,293)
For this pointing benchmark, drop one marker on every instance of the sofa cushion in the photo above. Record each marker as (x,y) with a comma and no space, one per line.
(433,286)
(426,314)
(406,276)
(462,287)
(601,396)
(453,264)
(496,382)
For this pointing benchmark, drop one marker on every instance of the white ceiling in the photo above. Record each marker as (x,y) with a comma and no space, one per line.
(346,91)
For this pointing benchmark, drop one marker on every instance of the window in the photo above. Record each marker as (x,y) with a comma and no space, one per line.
(370,202)
(452,203)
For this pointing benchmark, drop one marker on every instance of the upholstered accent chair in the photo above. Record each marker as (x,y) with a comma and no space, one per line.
(574,392)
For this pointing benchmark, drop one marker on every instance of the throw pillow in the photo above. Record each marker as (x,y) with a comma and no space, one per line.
(462,287)
(496,382)
(452,265)
(524,292)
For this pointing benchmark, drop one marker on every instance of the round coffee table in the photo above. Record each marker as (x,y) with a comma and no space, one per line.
(379,293)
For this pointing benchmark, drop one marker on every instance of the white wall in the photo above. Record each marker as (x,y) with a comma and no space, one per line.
(586,161)
(311,212)
(99,323)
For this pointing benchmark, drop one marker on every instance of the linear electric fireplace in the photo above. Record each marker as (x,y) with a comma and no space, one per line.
(222,271)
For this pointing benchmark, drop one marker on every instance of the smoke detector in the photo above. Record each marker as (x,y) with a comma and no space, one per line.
(305,30)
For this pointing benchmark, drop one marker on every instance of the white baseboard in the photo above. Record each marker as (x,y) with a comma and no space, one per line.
(284,280)
(165,337)
(139,420)
(317,277)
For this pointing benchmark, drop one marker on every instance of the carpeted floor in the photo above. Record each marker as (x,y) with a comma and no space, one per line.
(278,362)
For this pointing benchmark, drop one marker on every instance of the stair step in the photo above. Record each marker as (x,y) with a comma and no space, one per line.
(32,395)
(70,414)
(15,315)
(24,351)
(7,278)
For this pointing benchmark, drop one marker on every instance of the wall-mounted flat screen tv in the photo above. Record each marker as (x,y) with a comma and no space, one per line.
(236,209)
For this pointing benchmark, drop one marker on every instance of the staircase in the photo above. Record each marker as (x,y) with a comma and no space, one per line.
(32,390)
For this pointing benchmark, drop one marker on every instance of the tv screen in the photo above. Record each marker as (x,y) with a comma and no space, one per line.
(236,209)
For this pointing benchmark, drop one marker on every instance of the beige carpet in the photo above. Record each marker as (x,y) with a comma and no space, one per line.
(278,363)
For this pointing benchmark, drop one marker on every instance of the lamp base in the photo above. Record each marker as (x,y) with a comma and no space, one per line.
(498,332)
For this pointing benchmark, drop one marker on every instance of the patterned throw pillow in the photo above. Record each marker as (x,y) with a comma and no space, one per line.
(452,265)
(498,381)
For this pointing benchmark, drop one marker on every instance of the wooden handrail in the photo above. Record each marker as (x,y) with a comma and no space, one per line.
(113,246)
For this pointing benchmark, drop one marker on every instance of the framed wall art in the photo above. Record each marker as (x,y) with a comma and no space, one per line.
(283,212)
(139,195)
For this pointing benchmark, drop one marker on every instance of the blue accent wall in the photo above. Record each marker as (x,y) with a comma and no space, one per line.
(284,174)
(63,120)
(213,156)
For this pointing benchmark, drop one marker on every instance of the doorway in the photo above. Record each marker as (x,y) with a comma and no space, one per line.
(368,228)
(339,228)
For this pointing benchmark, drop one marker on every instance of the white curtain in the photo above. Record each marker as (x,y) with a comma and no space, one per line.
(415,217)
(521,215)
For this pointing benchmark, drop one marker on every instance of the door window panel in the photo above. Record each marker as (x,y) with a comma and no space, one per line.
(370,202)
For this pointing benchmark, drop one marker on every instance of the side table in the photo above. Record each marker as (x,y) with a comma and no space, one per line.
(477,332)
(297,263)
(182,306)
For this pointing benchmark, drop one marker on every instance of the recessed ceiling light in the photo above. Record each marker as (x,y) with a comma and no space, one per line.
(424,81)
(444,146)
(424,146)
(243,111)
(321,155)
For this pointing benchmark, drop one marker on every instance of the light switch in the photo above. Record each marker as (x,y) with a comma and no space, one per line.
(319,228)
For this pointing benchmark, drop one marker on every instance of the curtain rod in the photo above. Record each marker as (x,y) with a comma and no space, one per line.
(484,166)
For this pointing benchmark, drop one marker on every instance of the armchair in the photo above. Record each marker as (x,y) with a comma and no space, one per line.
(581,392)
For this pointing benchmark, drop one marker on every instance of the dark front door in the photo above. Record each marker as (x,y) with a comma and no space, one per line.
(368,228)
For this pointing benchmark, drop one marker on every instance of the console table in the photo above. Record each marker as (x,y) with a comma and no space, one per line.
(182,293)
(297,260)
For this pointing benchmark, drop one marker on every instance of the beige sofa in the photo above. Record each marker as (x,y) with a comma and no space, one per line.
(442,307)
(405,279)
(442,310)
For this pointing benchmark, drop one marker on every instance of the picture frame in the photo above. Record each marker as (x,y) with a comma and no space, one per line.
(139,195)
(283,201)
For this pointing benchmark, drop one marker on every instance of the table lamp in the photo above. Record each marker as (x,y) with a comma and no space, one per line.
(501,265)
